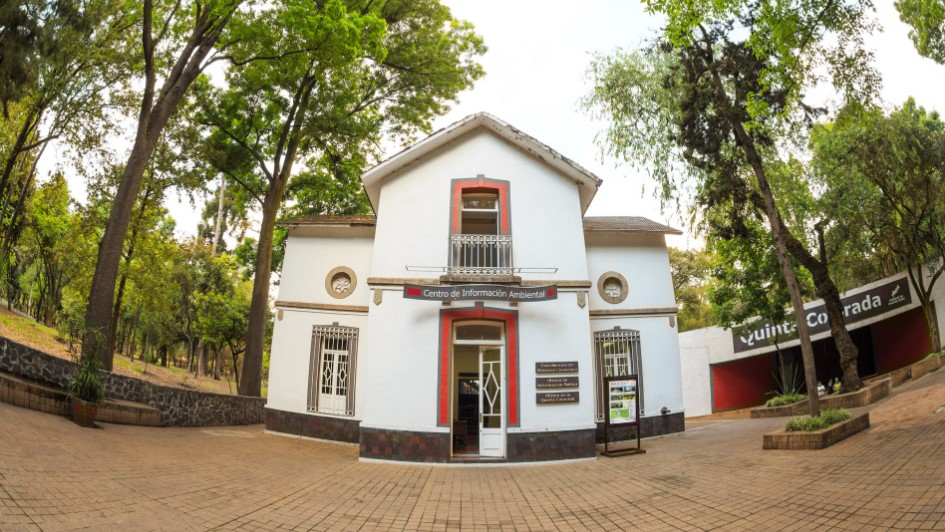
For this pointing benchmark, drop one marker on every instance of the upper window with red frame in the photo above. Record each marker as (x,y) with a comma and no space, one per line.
(480,207)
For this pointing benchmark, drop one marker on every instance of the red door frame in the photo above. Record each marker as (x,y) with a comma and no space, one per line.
(447,318)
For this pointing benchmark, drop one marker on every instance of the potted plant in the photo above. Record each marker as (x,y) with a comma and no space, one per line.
(86,390)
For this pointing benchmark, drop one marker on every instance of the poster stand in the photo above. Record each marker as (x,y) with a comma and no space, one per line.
(623,408)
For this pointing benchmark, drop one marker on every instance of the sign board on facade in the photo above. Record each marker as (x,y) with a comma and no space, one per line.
(556,398)
(857,307)
(545,368)
(480,292)
(546,383)
(622,400)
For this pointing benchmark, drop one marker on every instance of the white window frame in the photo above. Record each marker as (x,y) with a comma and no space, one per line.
(329,344)
(623,347)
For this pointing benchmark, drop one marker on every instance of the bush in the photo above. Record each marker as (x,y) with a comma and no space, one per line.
(785,399)
(827,417)
(85,383)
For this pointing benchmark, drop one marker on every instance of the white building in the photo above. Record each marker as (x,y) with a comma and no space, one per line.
(474,317)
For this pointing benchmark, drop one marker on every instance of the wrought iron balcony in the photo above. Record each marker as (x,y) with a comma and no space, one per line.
(480,255)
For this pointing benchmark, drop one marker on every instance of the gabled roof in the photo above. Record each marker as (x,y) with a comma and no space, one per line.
(626,224)
(374,178)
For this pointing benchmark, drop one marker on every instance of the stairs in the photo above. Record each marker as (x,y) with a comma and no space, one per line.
(44,398)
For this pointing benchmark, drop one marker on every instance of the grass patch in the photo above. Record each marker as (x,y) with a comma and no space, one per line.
(827,417)
(785,399)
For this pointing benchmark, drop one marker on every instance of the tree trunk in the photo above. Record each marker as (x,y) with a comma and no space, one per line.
(251,381)
(202,360)
(219,222)
(827,290)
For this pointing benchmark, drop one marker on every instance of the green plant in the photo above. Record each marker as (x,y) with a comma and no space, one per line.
(785,399)
(86,383)
(827,417)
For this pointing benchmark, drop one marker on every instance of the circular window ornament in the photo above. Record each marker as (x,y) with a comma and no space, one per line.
(613,287)
(340,282)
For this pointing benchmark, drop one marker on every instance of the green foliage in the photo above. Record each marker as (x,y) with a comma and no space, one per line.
(691,271)
(927,19)
(86,383)
(786,399)
(827,417)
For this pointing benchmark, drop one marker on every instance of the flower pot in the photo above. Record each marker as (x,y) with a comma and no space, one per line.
(84,412)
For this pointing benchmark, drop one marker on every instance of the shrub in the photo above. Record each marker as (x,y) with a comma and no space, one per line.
(85,383)
(827,417)
(785,399)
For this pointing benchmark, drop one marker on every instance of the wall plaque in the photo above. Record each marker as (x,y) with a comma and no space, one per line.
(545,383)
(553,398)
(545,368)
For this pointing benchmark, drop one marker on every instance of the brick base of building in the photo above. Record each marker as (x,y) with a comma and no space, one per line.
(313,426)
(649,426)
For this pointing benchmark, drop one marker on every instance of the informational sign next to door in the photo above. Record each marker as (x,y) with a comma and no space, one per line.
(622,400)
(857,307)
(480,292)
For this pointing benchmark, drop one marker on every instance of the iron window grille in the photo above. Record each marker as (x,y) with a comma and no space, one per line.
(332,370)
(617,354)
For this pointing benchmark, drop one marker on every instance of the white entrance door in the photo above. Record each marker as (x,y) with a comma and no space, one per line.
(491,399)
(333,389)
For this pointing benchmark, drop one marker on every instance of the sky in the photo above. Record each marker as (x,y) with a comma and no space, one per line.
(536,66)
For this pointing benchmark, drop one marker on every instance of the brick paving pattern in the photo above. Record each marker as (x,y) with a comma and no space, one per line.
(55,475)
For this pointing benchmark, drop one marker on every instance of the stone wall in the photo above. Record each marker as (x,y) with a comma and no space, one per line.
(179,407)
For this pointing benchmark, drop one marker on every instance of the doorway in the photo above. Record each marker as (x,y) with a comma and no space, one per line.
(478,419)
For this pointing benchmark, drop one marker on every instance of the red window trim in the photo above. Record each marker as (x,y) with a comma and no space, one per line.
(447,318)
(500,187)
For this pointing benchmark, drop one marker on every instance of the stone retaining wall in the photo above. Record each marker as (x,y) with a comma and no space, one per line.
(179,407)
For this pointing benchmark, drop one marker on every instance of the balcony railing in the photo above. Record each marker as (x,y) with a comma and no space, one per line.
(480,255)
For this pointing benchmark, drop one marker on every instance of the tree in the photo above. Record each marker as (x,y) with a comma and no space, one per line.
(886,174)
(716,95)
(49,222)
(323,82)
(177,40)
(692,277)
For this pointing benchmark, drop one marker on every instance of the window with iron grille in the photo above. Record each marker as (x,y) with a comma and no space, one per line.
(617,354)
(332,370)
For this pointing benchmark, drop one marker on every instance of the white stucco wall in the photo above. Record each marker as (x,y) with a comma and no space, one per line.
(309,259)
(642,259)
(290,362)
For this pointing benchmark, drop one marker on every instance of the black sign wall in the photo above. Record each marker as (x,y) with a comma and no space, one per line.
(857,307)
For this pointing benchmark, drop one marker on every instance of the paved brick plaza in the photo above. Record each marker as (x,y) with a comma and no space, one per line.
(55,475)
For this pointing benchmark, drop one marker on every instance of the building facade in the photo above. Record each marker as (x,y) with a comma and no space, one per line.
(475,315)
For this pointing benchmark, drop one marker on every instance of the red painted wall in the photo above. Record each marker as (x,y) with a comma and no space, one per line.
(742,383)
(900,340)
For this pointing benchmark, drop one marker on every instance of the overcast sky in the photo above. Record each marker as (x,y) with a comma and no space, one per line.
(535,75)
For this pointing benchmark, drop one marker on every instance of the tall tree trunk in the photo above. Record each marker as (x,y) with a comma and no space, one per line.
(129,255)
(251,382)
(827,290)
(217,225)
